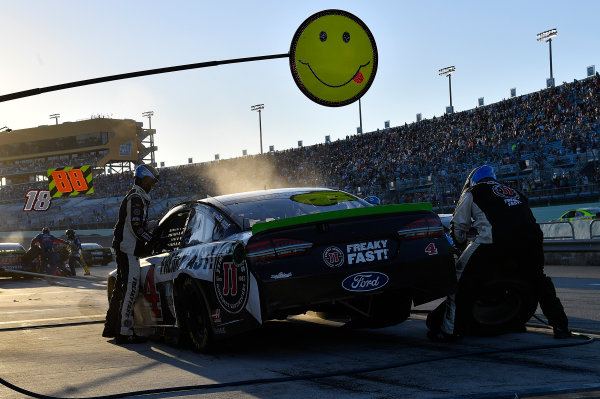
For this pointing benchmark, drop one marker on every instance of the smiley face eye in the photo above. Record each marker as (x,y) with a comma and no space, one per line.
(346,37)
(323,35)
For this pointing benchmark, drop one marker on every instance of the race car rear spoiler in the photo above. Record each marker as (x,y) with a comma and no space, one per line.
(341,214)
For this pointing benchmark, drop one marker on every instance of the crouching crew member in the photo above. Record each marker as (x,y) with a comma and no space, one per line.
(506,229)
(46,242)
(131,235)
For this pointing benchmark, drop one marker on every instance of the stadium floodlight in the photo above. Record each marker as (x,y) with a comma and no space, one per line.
(149,115)
(55,117)
(547,36)
(447,71)
(259,107)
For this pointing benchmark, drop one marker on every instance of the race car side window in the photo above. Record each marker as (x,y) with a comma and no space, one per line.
(207,225)
(172,227)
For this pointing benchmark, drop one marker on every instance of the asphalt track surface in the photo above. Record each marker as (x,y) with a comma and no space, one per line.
(74,361)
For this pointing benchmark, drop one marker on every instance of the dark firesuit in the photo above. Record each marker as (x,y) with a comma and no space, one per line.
(75,257)
(46,242)
(130,237)
(506,229)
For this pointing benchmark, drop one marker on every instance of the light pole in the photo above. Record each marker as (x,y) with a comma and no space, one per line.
(259,107)
(55,117)
(360,115)
(149,115)
(448,72)
(547,36)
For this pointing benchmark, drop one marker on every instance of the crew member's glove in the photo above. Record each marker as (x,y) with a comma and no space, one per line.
(460,248)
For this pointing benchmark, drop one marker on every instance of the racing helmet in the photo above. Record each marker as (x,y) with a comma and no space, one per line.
(70,233)
(142,171)
(478,174)
(373,200)
(46,230)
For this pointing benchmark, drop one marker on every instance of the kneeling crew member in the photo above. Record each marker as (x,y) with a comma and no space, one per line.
(505,227)
(131,235)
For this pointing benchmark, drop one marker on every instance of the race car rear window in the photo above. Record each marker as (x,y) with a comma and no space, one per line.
(277,207)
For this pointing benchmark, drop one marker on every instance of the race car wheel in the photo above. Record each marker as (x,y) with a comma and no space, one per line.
(500,306)
(194,317)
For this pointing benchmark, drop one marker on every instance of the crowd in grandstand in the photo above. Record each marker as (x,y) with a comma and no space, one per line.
(41,165)
(541,141)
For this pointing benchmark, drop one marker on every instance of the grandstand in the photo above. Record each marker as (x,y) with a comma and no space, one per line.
(25,156)
(545,143)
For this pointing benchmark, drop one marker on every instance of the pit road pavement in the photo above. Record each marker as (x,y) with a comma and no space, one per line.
(75,361)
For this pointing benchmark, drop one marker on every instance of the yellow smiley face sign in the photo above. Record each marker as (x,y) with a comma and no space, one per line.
(333,58)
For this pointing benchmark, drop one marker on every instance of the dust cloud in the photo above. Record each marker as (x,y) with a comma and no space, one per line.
(257,173)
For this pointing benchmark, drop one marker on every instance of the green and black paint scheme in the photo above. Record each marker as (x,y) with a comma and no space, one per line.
(227,264)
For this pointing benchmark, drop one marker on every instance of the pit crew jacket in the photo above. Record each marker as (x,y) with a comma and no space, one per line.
(75,245)
(131,232)
(500,214)
(46,241)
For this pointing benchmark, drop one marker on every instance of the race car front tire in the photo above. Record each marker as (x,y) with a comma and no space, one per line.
(194,317)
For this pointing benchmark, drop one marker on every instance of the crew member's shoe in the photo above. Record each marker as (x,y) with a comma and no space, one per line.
(440,336)
(561,333)
(108,333)
(129,339)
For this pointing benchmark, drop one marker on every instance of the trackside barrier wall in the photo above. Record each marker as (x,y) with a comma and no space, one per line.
(572,242)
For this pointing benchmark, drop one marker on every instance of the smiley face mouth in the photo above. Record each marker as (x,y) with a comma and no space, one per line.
(354,77)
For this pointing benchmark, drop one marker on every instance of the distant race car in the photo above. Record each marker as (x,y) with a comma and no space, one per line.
(580,214)
(96,254)
(11,258)
(225,265)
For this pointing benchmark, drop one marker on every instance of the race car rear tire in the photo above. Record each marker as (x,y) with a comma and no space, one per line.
(194,317)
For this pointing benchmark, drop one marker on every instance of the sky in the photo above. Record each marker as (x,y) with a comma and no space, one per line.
(202,112)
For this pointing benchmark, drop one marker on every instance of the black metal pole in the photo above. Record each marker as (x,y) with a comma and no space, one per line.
(450,89)
(260,129)
(360,115)
(550,46)
(33,92)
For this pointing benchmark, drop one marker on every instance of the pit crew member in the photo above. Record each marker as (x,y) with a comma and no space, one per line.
(505,225)
(131,236)
(75,257)
(45,241)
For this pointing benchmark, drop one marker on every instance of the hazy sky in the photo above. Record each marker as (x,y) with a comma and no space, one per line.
(203,112)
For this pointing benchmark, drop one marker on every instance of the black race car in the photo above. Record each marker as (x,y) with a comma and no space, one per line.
(227,264)
(95,254)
